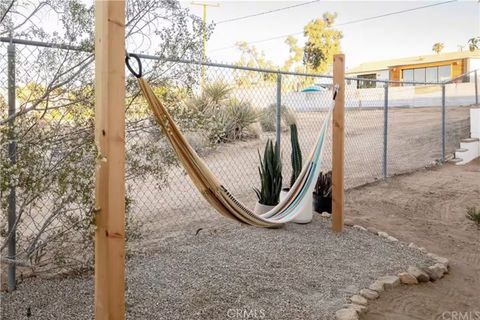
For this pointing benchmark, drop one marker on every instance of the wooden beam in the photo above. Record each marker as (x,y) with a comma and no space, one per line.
(110,166)
(338,153)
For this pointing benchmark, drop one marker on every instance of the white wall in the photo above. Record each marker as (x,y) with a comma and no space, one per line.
(475,123)
(456,94)
(473,64)
(381,75)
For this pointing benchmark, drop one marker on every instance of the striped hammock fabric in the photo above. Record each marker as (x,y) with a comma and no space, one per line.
(213,190)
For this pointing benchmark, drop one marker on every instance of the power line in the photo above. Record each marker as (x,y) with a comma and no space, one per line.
(265,12)
(396,12)
(344,23)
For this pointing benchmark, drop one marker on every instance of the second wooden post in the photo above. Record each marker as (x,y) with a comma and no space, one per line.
(338,152)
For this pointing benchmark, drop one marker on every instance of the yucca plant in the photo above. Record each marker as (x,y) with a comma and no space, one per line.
(296,157)
(200,104)
(270,171)
(241,115)
(222,118)
(217,92)
(474,215)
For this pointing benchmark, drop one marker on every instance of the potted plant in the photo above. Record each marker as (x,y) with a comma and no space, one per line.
(270,171)
(322,194)
(305,211)
(296,158)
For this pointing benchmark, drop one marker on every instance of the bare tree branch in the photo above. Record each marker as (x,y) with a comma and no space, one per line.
(7,11)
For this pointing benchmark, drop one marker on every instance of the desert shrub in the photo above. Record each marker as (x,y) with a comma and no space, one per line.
(54,179)
(54,126)
(268,118)
(239,115)
(198,141)
(217,92)
(231,122)
(473,214)
(221,117)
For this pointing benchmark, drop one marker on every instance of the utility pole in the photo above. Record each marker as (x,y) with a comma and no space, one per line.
(204,49)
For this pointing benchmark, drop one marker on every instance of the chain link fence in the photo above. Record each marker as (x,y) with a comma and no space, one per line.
(390,128)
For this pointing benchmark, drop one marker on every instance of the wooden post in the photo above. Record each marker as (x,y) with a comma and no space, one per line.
(110,166)
(338,153)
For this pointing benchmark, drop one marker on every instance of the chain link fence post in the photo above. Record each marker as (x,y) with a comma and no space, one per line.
(278,113)
(476,86)
(12,151)
(385,132)
(443,123)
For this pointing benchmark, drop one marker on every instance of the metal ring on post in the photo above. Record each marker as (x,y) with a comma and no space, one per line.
(335,91)
(127,62)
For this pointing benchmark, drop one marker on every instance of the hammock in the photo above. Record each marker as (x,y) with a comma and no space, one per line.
(213,190)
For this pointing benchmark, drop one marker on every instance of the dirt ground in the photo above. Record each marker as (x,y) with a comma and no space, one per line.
(414,142)
(427,208)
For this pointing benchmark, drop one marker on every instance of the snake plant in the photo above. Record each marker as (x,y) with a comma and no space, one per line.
(270,171)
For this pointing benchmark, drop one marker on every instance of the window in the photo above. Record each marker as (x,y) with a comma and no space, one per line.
(407,75)
(432,74)
(419,75)
(362,84)
(444,73)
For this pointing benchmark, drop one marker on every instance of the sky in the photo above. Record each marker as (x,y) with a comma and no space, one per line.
(401,35)
(395,36)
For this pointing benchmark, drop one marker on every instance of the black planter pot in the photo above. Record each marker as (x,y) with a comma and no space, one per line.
(321,204)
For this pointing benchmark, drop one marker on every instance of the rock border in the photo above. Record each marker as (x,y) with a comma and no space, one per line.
(357,305)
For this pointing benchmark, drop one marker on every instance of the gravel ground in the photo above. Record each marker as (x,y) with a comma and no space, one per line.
(298,272)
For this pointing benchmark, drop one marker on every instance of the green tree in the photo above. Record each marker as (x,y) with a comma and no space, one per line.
(294,63)
(251,57)
(438,47)
(295,58)
(473,43)
(323,41)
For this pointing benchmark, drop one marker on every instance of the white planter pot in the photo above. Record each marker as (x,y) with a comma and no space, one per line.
(261,208)
(283,194)
(305,215)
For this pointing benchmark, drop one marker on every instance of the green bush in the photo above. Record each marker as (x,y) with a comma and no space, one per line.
(268,118)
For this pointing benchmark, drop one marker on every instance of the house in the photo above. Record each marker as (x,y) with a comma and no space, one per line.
(427,68)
